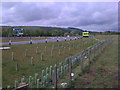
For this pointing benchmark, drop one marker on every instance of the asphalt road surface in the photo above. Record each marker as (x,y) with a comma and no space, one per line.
(53,39)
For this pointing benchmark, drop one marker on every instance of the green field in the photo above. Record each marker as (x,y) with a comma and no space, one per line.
(103,73)
(67,48)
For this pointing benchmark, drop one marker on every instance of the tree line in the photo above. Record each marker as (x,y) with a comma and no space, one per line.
(8,32)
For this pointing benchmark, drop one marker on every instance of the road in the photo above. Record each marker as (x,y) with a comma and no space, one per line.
(53,39)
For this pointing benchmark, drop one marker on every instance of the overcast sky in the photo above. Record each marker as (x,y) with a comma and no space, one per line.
(99,16)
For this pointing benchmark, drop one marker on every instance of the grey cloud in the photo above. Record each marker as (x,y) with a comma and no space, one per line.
(89,15)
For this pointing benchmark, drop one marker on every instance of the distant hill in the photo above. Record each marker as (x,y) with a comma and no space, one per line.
(69,29)
(6,29)
(72,28)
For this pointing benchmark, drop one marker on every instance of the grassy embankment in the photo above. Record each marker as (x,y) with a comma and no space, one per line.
(23,39)
(103,73)
(26,69)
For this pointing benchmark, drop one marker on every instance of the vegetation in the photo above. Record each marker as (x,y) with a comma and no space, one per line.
(103,73)
(41,31)
(6,31)
(105,33)
(25,68)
